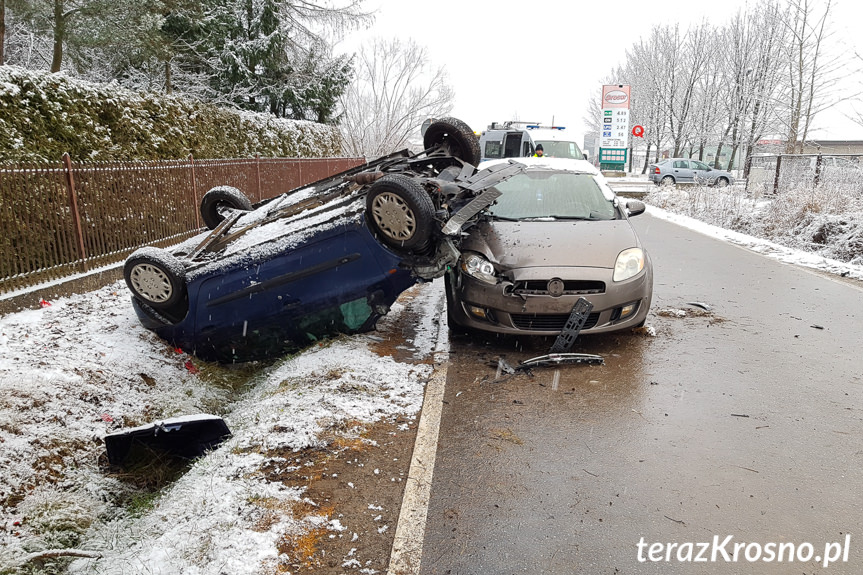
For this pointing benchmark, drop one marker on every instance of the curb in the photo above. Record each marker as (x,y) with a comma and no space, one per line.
(406,554)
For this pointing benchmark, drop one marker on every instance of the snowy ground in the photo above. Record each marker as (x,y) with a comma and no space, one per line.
(817,227)
(83,367)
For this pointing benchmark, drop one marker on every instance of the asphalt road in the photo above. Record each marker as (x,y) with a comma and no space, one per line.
(745,421)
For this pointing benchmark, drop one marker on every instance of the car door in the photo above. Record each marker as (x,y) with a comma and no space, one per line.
(700,172)
(682,172)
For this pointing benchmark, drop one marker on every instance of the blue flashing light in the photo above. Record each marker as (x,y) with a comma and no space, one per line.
(537,126)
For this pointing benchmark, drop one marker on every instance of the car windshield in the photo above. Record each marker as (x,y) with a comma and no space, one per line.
(556,149)
(551,194)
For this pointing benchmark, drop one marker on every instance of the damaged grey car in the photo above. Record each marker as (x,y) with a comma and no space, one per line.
(557,236)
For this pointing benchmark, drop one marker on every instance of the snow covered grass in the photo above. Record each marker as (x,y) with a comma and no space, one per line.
(83,367)
(824,220)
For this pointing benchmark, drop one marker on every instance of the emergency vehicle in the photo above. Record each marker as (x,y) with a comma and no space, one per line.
(519,139)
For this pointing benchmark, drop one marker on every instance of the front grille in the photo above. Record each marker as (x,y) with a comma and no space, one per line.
(570,287)
(548,322)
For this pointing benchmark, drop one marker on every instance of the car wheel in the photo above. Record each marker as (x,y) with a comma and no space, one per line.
(667,181)
(156,277)
(722,182)
(455,137)
(218,199)
(400,212)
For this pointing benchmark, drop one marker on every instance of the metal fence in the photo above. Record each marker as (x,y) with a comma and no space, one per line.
(63,218)
(776,172)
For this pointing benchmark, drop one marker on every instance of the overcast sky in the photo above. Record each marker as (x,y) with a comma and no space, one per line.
(544,60)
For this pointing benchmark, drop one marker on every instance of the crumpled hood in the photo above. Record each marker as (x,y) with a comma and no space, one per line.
(551,244)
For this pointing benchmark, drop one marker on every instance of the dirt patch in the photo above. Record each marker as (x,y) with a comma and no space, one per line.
(357,479)
(392,340)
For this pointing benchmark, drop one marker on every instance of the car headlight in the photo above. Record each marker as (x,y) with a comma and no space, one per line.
(629,263)
(478,268)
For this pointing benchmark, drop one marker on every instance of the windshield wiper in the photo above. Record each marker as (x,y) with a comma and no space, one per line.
(586,218)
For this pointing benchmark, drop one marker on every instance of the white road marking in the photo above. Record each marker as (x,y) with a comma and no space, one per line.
(408,543)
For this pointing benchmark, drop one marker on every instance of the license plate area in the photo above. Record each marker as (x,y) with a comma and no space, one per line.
(574,324)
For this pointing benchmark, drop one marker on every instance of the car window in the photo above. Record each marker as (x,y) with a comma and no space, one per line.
(493,150)
(681,164)
(699,165)
(545,193)
(557,149)
(512,146)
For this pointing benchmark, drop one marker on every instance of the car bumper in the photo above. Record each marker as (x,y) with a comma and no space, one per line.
(502,308)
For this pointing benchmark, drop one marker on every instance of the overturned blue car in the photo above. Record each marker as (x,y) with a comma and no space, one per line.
(327,258)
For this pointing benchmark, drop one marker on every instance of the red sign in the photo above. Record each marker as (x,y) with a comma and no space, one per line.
(638,131)
(615,96)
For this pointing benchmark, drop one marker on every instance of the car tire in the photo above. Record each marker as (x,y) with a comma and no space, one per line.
(400,213)
(667,181)
(455,137)
(222,197)
(157,278)
(721,182)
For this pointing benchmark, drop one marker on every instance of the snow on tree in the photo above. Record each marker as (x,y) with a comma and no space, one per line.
(258,55)
(395,90)
(767,71)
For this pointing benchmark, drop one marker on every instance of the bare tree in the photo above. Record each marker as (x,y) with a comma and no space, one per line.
(394,90)
(707,97)
(810,73)
(647,74)
(690,56)
(750,65)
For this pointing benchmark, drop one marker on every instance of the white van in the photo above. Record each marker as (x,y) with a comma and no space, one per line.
(556,142)
(519,140)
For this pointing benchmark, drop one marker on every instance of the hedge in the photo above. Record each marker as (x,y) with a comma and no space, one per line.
(44,115)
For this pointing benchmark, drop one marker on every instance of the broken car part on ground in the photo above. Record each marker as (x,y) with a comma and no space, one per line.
(188,437)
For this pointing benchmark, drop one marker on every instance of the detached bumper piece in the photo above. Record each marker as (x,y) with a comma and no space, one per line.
(577,318)
(553,359)
(186,437)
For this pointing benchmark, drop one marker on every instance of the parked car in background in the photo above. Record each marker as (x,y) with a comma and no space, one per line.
(327,258)
(685,171)
(556,234)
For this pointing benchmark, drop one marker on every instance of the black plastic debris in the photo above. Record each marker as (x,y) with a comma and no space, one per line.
(574,324)
(188,436)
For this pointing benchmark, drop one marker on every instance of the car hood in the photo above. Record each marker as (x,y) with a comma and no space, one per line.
(513,245)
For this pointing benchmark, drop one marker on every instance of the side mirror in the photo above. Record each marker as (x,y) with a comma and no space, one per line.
(635,207)
(425,125)
(585,154)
